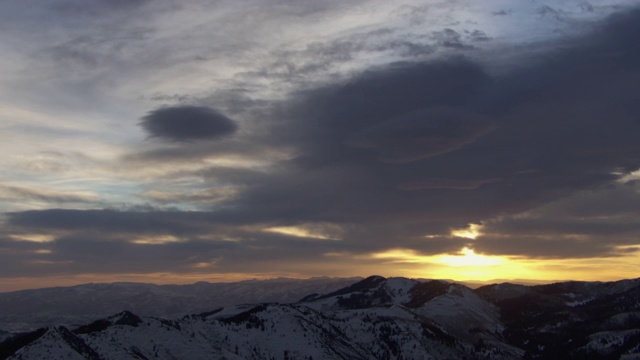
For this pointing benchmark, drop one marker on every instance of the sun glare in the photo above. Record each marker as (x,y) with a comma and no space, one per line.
(467,257)
(464,265)
(469,266)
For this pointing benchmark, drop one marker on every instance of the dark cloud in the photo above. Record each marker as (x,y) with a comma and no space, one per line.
(602,222)
(562,123)
(108,252)
(94,252)
(441,183)
(507,144)
(334,114)
(187,123)
(559,247)
(331,180)
(421,134)
(115,221)
(134,241)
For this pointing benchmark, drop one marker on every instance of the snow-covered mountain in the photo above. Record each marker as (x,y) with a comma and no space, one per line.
(76,305)
(376,318)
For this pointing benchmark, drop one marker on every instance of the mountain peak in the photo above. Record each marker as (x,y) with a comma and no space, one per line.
(373,291)
(127,318)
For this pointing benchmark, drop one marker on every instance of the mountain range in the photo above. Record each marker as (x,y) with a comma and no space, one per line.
(373,318)
(73,306)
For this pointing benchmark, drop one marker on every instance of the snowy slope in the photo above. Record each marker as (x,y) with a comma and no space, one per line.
(462,310)
(57,343)
(375,318)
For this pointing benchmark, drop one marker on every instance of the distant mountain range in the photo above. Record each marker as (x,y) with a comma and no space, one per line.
(73,306)
(374,318)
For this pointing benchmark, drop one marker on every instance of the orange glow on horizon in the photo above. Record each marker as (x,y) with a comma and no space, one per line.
(466,265)
(23,283)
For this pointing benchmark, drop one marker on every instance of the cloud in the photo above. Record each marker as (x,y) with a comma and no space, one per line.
(20,193)
(469,144)
(509,143)
(600,222)
(94,8)
(422,133)
(449,38)
(114,221)
(187,123)
(440,183)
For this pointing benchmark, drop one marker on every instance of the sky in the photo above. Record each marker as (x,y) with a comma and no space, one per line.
(175,141)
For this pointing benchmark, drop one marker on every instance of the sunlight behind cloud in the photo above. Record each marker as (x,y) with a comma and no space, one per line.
(38,238)
(624,178)
(155,240)
(471,232)
(43,251)
(314,231)
(401,255)
(465,258)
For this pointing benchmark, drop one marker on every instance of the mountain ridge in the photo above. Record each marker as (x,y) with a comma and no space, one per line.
(375,318)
